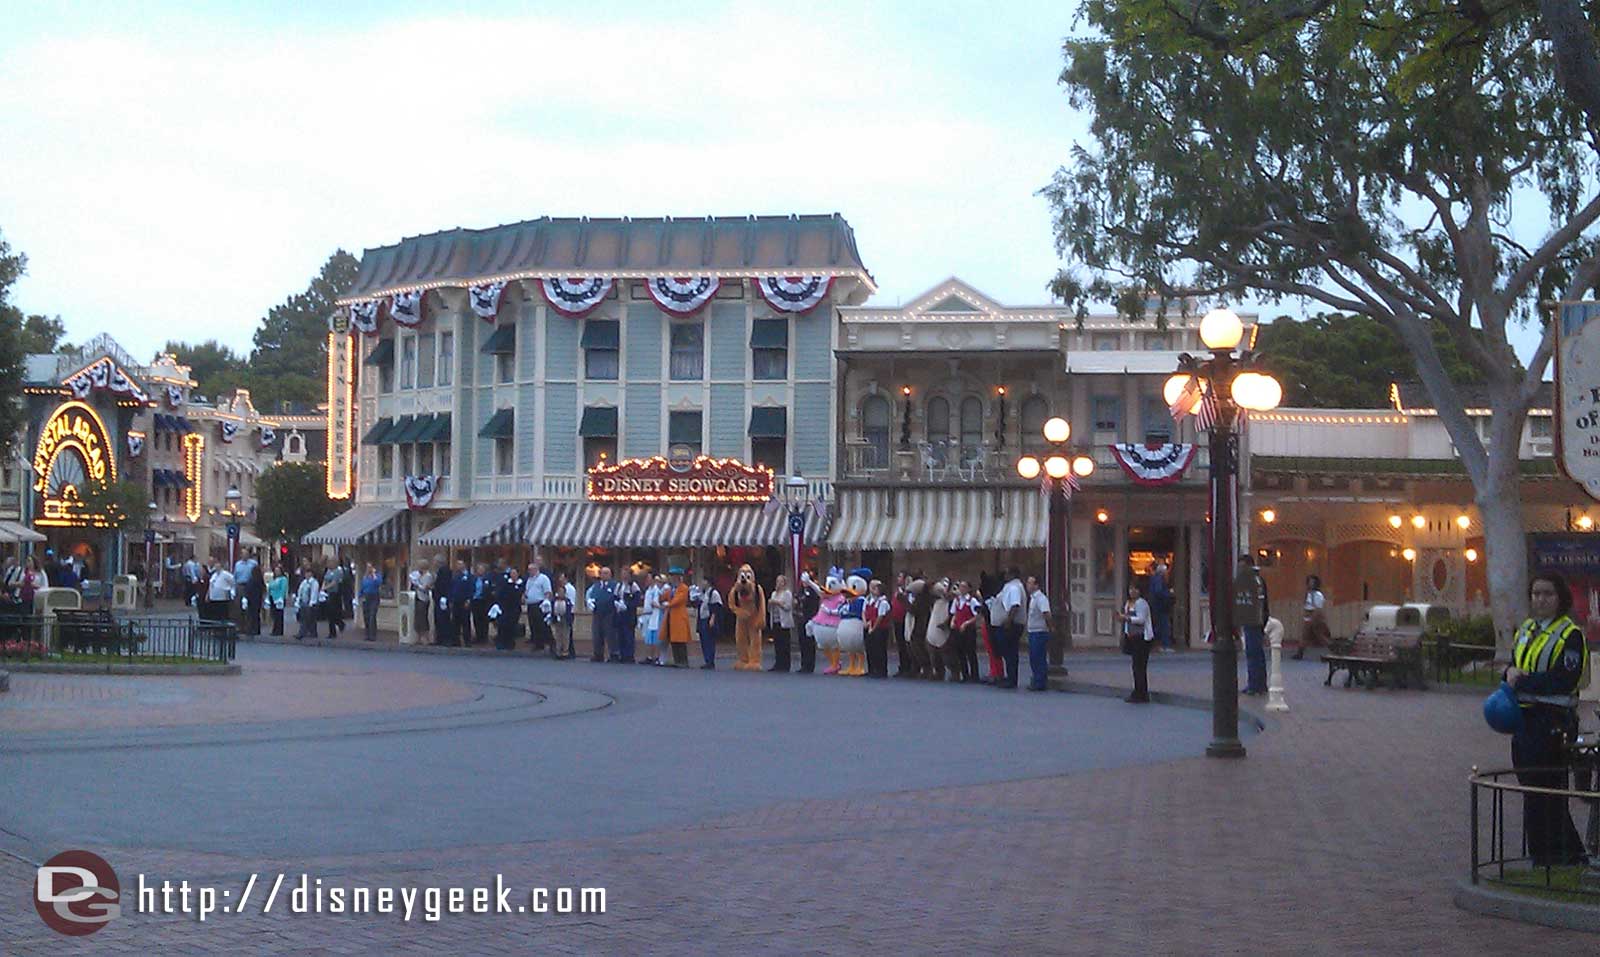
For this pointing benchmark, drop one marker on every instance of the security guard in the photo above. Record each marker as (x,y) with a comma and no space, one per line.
(1550,662)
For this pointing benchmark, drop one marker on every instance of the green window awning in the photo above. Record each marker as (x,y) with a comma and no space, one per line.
(499,425)
(599,422)
(438,429)
(602,334)
(769,422)
(683,427)
(503,342)
(393,435)
(413,432)
(379,429)
(769,334)
(382,354)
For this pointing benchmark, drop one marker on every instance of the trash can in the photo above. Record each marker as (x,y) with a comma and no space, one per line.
(405,617)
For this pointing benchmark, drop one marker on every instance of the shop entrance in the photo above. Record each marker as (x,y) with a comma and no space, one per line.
(1149,545)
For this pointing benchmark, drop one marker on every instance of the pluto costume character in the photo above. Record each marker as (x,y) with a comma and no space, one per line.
(852,631)
(824,627)
(749,604)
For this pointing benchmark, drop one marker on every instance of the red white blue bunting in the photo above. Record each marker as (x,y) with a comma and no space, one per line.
(794,293)
(485,299)
(1154,464)
(104,376)
(269,435)
(174,396)
(420,490)
(575,297)
(364,317)
(229,430)
(683,296)
(135,444)
(406,308)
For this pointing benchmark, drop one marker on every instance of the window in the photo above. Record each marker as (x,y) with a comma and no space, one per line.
(447,358)
(505,367)
(425,458)
(385,462)
(773,453)
(596,446)
(971,423)
(295,444)
(386,377)
(406,460)
(1034,412)
(1155,342)
(1107,342)
(408,362)
(688,359)
(1539,426)
(1156,418)
(1108,415)
(769,345)
(938,421)
(875,430)
(602,344)
(683,430)
(444,458)
(503,456)
(425,358)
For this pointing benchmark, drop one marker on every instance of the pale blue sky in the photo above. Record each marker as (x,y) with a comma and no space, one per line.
(174,170)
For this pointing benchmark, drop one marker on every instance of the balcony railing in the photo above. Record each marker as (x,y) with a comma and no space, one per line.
(937,463)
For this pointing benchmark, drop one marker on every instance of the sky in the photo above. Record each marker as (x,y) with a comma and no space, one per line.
(175,170)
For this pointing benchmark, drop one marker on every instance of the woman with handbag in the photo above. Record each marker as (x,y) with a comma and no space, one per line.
(1137,634)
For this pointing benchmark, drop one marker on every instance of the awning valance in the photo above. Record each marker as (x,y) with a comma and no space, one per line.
(490,523)
(939,519)
(13,533)
(499,426)
(769,422)
(413,432)
(393,435)
(382,353)
(249,539)
(703,526)
(379,429)
(364,525)
(769,334)
(602,334)
(438,430)
(503,342)
(599,422)
(570,523)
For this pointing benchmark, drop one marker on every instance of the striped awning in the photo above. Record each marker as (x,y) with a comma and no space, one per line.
(364,525)
(939,519)
(571,524)
(491,523)
(15,532)
(703,526)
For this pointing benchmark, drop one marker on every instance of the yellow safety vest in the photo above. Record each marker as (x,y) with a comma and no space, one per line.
(1539,648)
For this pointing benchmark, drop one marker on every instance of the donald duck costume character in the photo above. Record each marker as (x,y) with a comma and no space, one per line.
(852,630)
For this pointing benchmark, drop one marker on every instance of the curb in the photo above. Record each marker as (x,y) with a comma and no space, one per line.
(1508,905)
(56,668)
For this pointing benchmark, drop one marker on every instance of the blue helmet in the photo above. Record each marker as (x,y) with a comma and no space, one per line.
(1502,712)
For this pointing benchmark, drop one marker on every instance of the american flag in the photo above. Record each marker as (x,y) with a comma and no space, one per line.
(1185,403)
(1206,416)
(1069,485)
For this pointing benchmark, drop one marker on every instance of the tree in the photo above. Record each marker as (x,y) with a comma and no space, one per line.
(292,499)
(13,349)
(44,334)
(1337,361)
(290,356)
(124,504)
(1368,157)
(215,367)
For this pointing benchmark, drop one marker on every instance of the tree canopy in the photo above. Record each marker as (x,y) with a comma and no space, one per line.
(291,345)
(292,499)
(1338,361)
(14,342)
(213,366)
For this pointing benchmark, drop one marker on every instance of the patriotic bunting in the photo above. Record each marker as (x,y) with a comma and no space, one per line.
(1154,464)
(268,436)
(364,317)
(683,296)
(420,490)
(406,308)
(229,430)
(794,293)
(575,297)
(80,385)
(485,299)
(135,444)
(104,375)
(174,396)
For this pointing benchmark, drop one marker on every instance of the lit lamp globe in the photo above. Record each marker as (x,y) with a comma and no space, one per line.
(1057,430)
(1083,466)
(1174,388)
(1271,394)
(1028,467)
(1057,466)
(1246,389)
(1221,330)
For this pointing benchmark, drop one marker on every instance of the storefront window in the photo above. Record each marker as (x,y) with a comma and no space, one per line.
(1105,561)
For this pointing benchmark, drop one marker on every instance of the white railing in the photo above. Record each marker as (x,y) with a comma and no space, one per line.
(562,487)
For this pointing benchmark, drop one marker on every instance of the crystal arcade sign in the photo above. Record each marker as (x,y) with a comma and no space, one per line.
(74,453)
(655,479)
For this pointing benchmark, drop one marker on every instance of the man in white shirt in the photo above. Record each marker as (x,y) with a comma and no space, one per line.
(220,593)
(191,582)
(1038,636)
(1012,613)
(535,591)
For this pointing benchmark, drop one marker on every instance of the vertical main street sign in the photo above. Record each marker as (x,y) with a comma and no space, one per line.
(1577,406)
(341,385)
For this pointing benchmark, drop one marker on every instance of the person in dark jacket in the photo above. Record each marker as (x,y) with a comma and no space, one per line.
(601,600)
(508,598)
(807,602)
(462,587)
(630,598)
(1250,613)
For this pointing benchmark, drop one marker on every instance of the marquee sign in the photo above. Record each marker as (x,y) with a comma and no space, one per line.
(655,479)
(74,453)
(1577,411)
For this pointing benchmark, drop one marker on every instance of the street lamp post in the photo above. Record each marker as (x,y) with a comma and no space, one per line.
(1062,469)
(231,510)
(1216,388)
(149,571)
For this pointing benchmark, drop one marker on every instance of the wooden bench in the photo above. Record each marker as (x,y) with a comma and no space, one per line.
(96,632)
(1372,655)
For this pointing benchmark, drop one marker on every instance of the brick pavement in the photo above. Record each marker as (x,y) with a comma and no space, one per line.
(1343,832)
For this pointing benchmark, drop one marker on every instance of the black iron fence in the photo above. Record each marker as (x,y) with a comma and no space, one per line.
(1500,851)
(1455,662)
(100,636)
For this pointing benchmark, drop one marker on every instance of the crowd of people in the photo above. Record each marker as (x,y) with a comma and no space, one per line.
(21,578)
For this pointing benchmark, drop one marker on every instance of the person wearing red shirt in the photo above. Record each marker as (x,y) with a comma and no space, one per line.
(899,608)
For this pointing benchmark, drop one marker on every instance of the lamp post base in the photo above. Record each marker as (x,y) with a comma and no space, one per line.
(1225,748)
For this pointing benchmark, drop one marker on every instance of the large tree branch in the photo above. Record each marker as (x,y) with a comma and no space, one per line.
(1551,248)
(1572,40)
